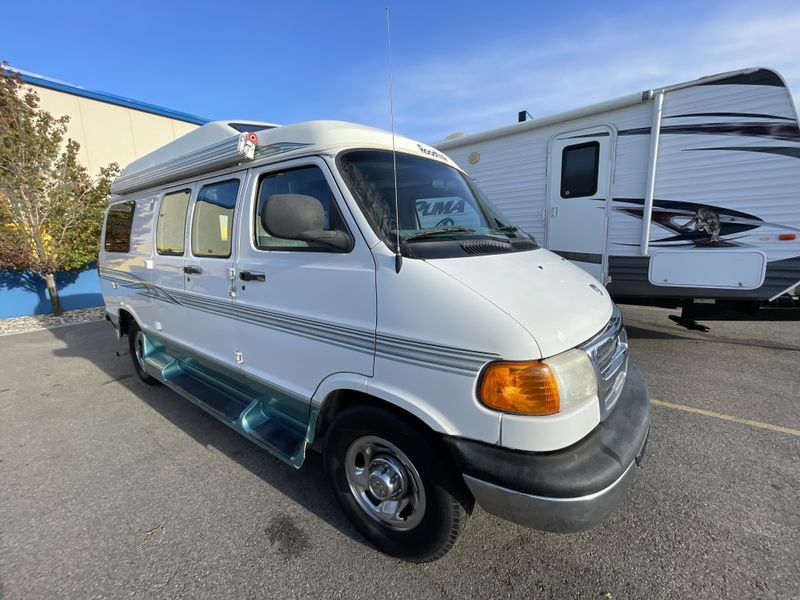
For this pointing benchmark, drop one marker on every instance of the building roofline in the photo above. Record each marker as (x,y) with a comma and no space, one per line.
(53,84)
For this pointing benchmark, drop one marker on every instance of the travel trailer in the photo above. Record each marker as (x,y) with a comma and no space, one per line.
(295,283)
(683,196)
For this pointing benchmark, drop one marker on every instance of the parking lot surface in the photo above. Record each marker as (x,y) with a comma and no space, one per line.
(110,488)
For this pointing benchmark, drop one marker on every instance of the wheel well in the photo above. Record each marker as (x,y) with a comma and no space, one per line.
(125,320)
(341,400)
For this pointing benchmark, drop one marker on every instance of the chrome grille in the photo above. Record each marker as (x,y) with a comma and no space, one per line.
(609,353)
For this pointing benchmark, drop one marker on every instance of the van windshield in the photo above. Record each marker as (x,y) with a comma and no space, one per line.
(434,200)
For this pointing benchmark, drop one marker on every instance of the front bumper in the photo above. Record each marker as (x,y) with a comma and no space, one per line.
(567,490)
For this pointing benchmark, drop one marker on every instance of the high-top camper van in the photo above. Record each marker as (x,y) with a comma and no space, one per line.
(671,196)
(298,284)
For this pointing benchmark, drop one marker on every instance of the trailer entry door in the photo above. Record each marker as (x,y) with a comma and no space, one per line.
(578,196)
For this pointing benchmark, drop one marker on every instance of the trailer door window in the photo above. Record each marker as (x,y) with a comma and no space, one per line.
(579,166)
(172,223)
(118,227)
(212,220)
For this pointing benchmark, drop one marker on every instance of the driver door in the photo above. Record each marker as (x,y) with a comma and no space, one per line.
(307,311)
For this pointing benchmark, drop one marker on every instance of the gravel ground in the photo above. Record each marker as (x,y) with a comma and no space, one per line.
(110,488)
(37,322)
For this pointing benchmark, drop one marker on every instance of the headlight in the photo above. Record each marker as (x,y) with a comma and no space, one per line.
(539,387)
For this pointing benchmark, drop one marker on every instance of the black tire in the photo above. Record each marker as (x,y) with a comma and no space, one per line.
(133,340)
(447,502)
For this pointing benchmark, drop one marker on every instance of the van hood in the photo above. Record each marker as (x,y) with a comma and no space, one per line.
(559,304)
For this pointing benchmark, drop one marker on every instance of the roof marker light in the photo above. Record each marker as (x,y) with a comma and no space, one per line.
(787,236)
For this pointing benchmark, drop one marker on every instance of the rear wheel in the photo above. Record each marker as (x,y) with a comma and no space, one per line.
(136,343)
(394,484)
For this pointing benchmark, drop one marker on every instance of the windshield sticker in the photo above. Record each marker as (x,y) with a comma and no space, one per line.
(446,212)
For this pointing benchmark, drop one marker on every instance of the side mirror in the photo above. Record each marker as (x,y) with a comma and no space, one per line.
(299,217)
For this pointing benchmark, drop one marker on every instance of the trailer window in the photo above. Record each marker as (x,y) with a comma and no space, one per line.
(308,181)
(118,227)
(171,228)
(579,166)
(212,220)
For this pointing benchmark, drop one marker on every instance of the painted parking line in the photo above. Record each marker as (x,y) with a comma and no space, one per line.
(724,417)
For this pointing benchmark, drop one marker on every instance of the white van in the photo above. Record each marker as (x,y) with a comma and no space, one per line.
(256,271)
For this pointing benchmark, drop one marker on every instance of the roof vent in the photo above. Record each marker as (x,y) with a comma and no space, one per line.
(477,247)
(523,116)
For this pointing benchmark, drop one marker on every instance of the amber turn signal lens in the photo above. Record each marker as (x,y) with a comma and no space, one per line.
(525,388)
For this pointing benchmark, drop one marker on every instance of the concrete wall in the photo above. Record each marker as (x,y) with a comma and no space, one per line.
(110,133)
(23,294)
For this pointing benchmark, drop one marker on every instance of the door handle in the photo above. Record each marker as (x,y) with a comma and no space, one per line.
(252,276)
(192,270)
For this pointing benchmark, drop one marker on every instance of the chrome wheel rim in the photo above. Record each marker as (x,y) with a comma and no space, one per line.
(138,345)
(385,483)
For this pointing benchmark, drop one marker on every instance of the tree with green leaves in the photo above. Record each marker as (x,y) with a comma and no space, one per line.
(51,209)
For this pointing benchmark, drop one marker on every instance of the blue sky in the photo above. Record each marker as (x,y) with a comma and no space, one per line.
(458,66)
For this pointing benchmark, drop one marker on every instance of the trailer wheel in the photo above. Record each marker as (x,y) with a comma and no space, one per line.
(136,344)
(394,484)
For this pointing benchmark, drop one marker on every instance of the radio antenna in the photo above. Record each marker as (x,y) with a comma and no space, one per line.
(398,257)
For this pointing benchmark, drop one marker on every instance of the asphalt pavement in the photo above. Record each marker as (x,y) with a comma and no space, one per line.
(110,488)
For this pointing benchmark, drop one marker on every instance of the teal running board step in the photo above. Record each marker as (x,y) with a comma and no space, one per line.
(156,358)
(215,398)
(266,416)
(269,427)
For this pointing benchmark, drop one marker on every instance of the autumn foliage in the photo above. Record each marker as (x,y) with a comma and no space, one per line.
(51,208)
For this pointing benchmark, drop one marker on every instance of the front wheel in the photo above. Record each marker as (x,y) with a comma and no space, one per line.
(394,484)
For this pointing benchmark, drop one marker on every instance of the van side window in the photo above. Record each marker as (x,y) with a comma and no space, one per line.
(118,227)
(579,166)
(172,223)
(308,181)
(212,220)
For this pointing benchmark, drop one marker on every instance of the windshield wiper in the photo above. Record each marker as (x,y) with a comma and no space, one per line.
(432,232)
(507,228)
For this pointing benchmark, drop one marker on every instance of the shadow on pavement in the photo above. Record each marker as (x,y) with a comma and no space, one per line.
(308,486)
(643,333)
(650,334)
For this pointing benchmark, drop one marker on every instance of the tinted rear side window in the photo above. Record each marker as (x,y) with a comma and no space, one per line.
(579,166)
(212,221)
(172,223)
(118,227)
